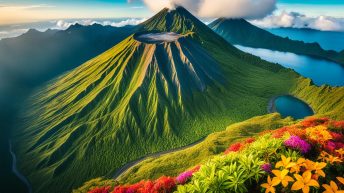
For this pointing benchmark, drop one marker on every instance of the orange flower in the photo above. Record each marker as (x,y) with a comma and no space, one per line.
(297,167)
(317,167)
(285,163)
(318,134)
(332,188)
(304,182)
(269,186)
(340,179)
(281,177)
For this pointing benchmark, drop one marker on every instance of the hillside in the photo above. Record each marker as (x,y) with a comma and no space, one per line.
(141,97)
(239,31)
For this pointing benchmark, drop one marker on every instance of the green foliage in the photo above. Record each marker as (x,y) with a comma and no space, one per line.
(232,173)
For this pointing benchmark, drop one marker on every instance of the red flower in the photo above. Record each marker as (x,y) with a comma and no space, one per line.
(101,190)
(249,140)
(337,136)
(338,124)
(313,121)
(164,185)
(234,148)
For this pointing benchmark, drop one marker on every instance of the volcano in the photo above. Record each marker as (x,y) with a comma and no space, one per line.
(168,85)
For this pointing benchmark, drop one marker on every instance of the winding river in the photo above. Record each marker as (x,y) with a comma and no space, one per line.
(16,171)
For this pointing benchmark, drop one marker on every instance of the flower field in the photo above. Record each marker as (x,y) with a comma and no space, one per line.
(304,157)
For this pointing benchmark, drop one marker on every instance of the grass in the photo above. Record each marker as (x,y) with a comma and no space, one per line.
(136,99)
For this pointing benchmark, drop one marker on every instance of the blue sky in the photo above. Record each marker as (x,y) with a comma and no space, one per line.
(19,11)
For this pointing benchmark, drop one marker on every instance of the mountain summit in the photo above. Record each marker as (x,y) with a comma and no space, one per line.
(168,85)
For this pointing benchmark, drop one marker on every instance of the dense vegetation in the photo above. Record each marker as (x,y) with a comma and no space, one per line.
(136,99)
(239,31)
(306,156)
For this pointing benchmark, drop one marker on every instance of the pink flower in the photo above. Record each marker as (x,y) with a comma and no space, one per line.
(184,177)
(295,142)
(266,167)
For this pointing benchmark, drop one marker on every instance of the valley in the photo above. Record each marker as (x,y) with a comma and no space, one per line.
(139,98)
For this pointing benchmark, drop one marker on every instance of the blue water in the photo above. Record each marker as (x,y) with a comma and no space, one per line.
(327,39)
(320,71)
(291,106)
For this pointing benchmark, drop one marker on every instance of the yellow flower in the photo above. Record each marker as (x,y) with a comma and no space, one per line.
(269,186)
(323,156)
(317,167)
(285,162)
(297,167)
(281,177)
(304,182)
(340,179)
(341,153)
(318,133)
(333,159)
(309,164)
(332,188)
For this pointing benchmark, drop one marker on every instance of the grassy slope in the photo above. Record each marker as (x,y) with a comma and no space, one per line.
(87,123)
(239,31)
(325,100)
(174,163)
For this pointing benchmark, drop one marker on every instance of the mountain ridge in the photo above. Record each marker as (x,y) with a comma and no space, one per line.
(240,31)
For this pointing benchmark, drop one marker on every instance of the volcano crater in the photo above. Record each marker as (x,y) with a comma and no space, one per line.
(157,37)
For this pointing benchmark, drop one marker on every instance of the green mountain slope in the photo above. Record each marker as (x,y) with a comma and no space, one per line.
(139,98)
(239,31)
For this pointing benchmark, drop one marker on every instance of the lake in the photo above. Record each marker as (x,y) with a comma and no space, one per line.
(290,106)
(320,71)
(328,40)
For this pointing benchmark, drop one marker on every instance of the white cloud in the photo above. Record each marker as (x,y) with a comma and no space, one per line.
(250,9)
(37,6)
(297,20)
(12,33)
(16,30)
(62,24)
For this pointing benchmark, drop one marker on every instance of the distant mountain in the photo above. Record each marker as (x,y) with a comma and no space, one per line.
(35,57)
(239,31)
(328,40)
(141,97)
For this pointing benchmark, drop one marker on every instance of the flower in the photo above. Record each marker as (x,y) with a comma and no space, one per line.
(340,179)
(330,146)
(297,167)
(338,124)
(101,190)
(249,140)
(318,134)
(269,186)
(312,121)
(332,188)
(285,162)
(281,177)
(266,167)
(184,177)
(317,167)
(295,142)
(304,182)
(333,159)
(234,148)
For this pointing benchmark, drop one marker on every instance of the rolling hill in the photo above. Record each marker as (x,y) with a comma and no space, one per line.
(141,97)
(239,31)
